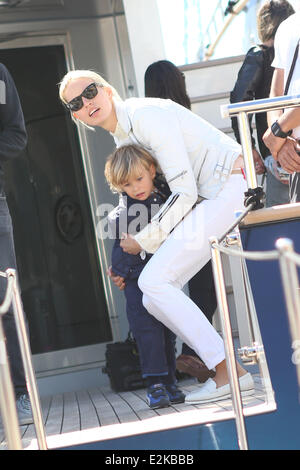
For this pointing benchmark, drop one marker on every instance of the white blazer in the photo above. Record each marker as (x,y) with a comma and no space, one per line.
(195,157)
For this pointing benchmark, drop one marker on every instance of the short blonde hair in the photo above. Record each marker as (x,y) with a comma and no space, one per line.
(74,75)
(125,162)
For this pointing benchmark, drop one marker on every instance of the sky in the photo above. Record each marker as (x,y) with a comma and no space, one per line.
(182,48)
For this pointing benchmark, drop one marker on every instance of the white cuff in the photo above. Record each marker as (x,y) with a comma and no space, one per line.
(151,237)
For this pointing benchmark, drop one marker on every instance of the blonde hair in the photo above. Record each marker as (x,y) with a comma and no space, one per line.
(269,17)
(74,75)
(125,162)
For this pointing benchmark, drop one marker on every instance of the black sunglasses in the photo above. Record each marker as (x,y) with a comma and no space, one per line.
(89,92)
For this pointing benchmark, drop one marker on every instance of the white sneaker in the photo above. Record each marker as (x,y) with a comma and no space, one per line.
(209,391)
(24,409)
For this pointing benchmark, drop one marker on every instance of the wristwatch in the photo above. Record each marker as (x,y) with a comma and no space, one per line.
(278,132)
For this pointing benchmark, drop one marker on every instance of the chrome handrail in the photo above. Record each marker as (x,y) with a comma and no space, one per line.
(7,403)
(240,110)
(260,106)
(228,343)
(288,260)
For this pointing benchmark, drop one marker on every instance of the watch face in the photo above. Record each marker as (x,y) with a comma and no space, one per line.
(278,132)
(276,129)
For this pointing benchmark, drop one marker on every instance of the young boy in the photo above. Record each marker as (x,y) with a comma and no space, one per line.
(131,171)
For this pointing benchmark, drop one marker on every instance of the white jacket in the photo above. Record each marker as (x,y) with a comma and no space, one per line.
(195,157)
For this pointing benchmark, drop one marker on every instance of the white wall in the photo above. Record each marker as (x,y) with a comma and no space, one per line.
(145,36)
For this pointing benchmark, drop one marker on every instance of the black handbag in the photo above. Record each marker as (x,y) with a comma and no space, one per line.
(123,365)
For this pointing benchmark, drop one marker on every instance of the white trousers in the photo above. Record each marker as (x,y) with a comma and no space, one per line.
(178,259)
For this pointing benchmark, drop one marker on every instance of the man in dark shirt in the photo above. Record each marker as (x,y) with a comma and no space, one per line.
(13,140)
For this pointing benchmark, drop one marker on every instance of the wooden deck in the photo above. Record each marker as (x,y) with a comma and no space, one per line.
(100,414)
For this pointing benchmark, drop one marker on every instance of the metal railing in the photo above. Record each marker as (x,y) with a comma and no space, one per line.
(7,396)
(236,9)
(288,260)
(241,110)
(283,252)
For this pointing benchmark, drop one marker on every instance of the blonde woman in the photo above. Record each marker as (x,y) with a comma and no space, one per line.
(199,163)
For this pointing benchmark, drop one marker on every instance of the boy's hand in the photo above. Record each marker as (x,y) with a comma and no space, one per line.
(259,164)
(117,280)
(129,244)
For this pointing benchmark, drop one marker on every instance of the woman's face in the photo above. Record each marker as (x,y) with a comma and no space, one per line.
(97,111)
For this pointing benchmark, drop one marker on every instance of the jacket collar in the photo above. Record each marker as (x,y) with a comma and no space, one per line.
(124,125)
(154,198)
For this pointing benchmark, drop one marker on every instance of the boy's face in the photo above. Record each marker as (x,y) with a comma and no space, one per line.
(140,186)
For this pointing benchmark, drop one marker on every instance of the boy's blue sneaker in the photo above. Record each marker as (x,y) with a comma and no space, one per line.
(175,395)
(157,396)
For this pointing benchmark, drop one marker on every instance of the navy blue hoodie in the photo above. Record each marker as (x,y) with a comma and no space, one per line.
(127,218)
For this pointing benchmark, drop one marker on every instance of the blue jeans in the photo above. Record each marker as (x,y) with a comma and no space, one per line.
(8,260)
(156,343)
(295,187)
(276,191)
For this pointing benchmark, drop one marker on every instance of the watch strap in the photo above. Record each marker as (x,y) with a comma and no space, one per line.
(278,132)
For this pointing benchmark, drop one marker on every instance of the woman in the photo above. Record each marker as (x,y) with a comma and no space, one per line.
(196,159)
(164,80)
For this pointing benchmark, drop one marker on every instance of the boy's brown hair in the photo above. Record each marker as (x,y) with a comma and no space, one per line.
(125,162)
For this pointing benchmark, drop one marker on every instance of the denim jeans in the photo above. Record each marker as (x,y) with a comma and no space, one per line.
(156,343)
(8,260)
(276,192)
(295,187)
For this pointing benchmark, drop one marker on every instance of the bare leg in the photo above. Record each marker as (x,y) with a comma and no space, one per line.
(221,378)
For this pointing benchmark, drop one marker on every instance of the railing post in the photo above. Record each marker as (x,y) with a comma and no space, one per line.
(7,398)
(7,394)
(246,143)
(241,110)
(26,357)
(228,344)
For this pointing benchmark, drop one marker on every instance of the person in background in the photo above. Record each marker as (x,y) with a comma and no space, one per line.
(254,82)
(283,135)
(164,80)
(131,172)
(13,140)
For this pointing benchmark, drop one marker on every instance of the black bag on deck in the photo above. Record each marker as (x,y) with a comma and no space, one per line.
(123,365)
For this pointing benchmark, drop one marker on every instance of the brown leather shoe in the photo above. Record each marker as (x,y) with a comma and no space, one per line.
(193,366)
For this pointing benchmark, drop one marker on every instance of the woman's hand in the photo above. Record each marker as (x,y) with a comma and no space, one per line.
(273,143)
(117,280)
(288,157)
(130,245)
